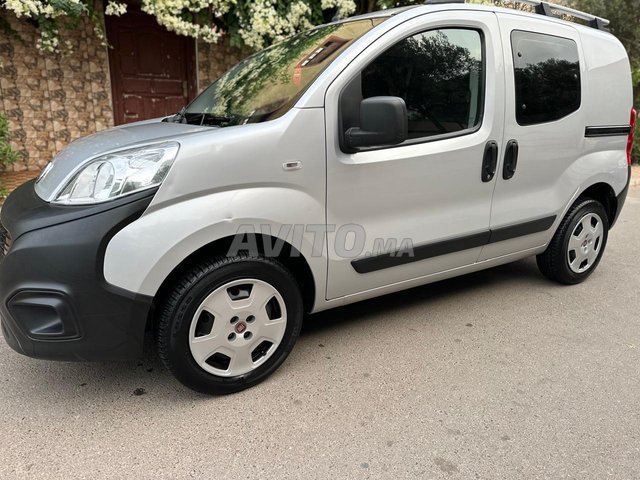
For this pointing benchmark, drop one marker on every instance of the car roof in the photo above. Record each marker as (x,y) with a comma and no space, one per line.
(384,13)
(416,10)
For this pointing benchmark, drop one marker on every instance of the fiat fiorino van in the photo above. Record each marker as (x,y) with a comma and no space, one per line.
(354,160)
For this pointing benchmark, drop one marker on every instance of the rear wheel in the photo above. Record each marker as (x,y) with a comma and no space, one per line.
(230,323)
(578,245)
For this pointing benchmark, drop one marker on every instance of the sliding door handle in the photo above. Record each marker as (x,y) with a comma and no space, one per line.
(510,160)
(490,161)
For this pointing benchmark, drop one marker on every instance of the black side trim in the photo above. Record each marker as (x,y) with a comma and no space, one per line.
(424,252)
(614,131)
(522,230)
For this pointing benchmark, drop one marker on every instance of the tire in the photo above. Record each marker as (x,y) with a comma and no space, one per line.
(578,245)
(219,333)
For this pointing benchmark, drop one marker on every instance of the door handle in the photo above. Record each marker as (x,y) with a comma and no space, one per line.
(490,161)
(510,159)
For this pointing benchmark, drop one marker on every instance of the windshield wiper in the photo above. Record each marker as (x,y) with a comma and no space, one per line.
(201,119)
(178,117)
(211,119)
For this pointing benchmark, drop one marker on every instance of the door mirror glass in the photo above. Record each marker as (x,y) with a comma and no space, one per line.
(383,123)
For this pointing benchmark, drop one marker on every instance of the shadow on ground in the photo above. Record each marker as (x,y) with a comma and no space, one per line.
(34,378)
(447,290)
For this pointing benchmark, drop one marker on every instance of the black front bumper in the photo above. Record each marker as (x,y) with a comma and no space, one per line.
(54,301)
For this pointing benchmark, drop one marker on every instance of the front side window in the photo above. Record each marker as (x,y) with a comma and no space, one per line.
(266,85)
(547,77)
(440,76)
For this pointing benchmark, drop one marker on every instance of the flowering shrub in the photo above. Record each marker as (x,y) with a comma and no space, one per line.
(7,154)
(254,23)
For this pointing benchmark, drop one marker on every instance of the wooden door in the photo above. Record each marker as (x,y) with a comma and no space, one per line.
(152,70)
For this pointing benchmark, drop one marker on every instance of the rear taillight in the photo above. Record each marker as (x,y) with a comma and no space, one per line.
(632,134)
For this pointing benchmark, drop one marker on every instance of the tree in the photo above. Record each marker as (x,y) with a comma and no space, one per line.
(7,154)
(366,6)
(252,23)
(259,23)
(623,14)
(625,24)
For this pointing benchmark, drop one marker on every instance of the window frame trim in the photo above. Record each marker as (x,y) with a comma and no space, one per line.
(515,99)
(482,97)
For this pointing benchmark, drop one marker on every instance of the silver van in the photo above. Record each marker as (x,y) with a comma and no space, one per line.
(357,159)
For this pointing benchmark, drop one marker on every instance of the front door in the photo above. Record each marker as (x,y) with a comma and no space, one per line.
(152,69)
(432,190)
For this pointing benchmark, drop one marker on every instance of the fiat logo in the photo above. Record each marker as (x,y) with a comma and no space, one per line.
(241,327)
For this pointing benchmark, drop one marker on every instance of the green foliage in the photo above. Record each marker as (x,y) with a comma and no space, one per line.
(252,23)
(265,76)
(623,14)
(7,154)
(364,6)
(625,24)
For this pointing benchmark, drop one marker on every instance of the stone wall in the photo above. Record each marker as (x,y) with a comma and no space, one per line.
(52,99)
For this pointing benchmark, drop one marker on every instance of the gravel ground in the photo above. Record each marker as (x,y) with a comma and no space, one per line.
(499,374)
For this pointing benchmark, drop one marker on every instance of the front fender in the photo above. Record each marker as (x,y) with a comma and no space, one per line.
(142,255)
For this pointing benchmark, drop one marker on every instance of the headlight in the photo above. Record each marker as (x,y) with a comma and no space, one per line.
(118,174)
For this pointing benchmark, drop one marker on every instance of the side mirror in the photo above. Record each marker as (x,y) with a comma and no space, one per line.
(384,122)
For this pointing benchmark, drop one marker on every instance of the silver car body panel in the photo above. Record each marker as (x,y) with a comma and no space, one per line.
(555,158)
(220,183)
(427,192)
(230,178)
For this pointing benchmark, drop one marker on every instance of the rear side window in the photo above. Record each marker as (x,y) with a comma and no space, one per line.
(547,74)
(440,76)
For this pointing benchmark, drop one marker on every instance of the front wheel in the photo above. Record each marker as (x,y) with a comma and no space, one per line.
(577,247)
(230,323)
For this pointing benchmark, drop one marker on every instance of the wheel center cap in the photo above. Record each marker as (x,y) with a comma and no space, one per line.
(240,328)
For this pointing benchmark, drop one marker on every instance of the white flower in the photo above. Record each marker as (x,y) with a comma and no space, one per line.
(48,41)
(261,22)
(115,8)
(345,7)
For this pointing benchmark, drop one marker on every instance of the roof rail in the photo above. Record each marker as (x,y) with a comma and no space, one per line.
(548,9)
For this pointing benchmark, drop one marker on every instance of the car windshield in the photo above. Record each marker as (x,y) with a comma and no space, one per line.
(267,85)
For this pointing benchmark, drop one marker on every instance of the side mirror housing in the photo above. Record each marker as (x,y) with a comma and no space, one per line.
(384,123)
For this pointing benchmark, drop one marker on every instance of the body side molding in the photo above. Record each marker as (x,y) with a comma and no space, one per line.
(424,252)
(609,131)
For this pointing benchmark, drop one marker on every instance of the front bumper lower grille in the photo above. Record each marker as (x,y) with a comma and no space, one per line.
(5,242)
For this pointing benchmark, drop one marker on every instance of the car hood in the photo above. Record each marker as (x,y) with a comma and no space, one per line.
(82,151)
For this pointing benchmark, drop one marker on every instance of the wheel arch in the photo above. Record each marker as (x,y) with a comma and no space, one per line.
(289,256)
(603,193)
